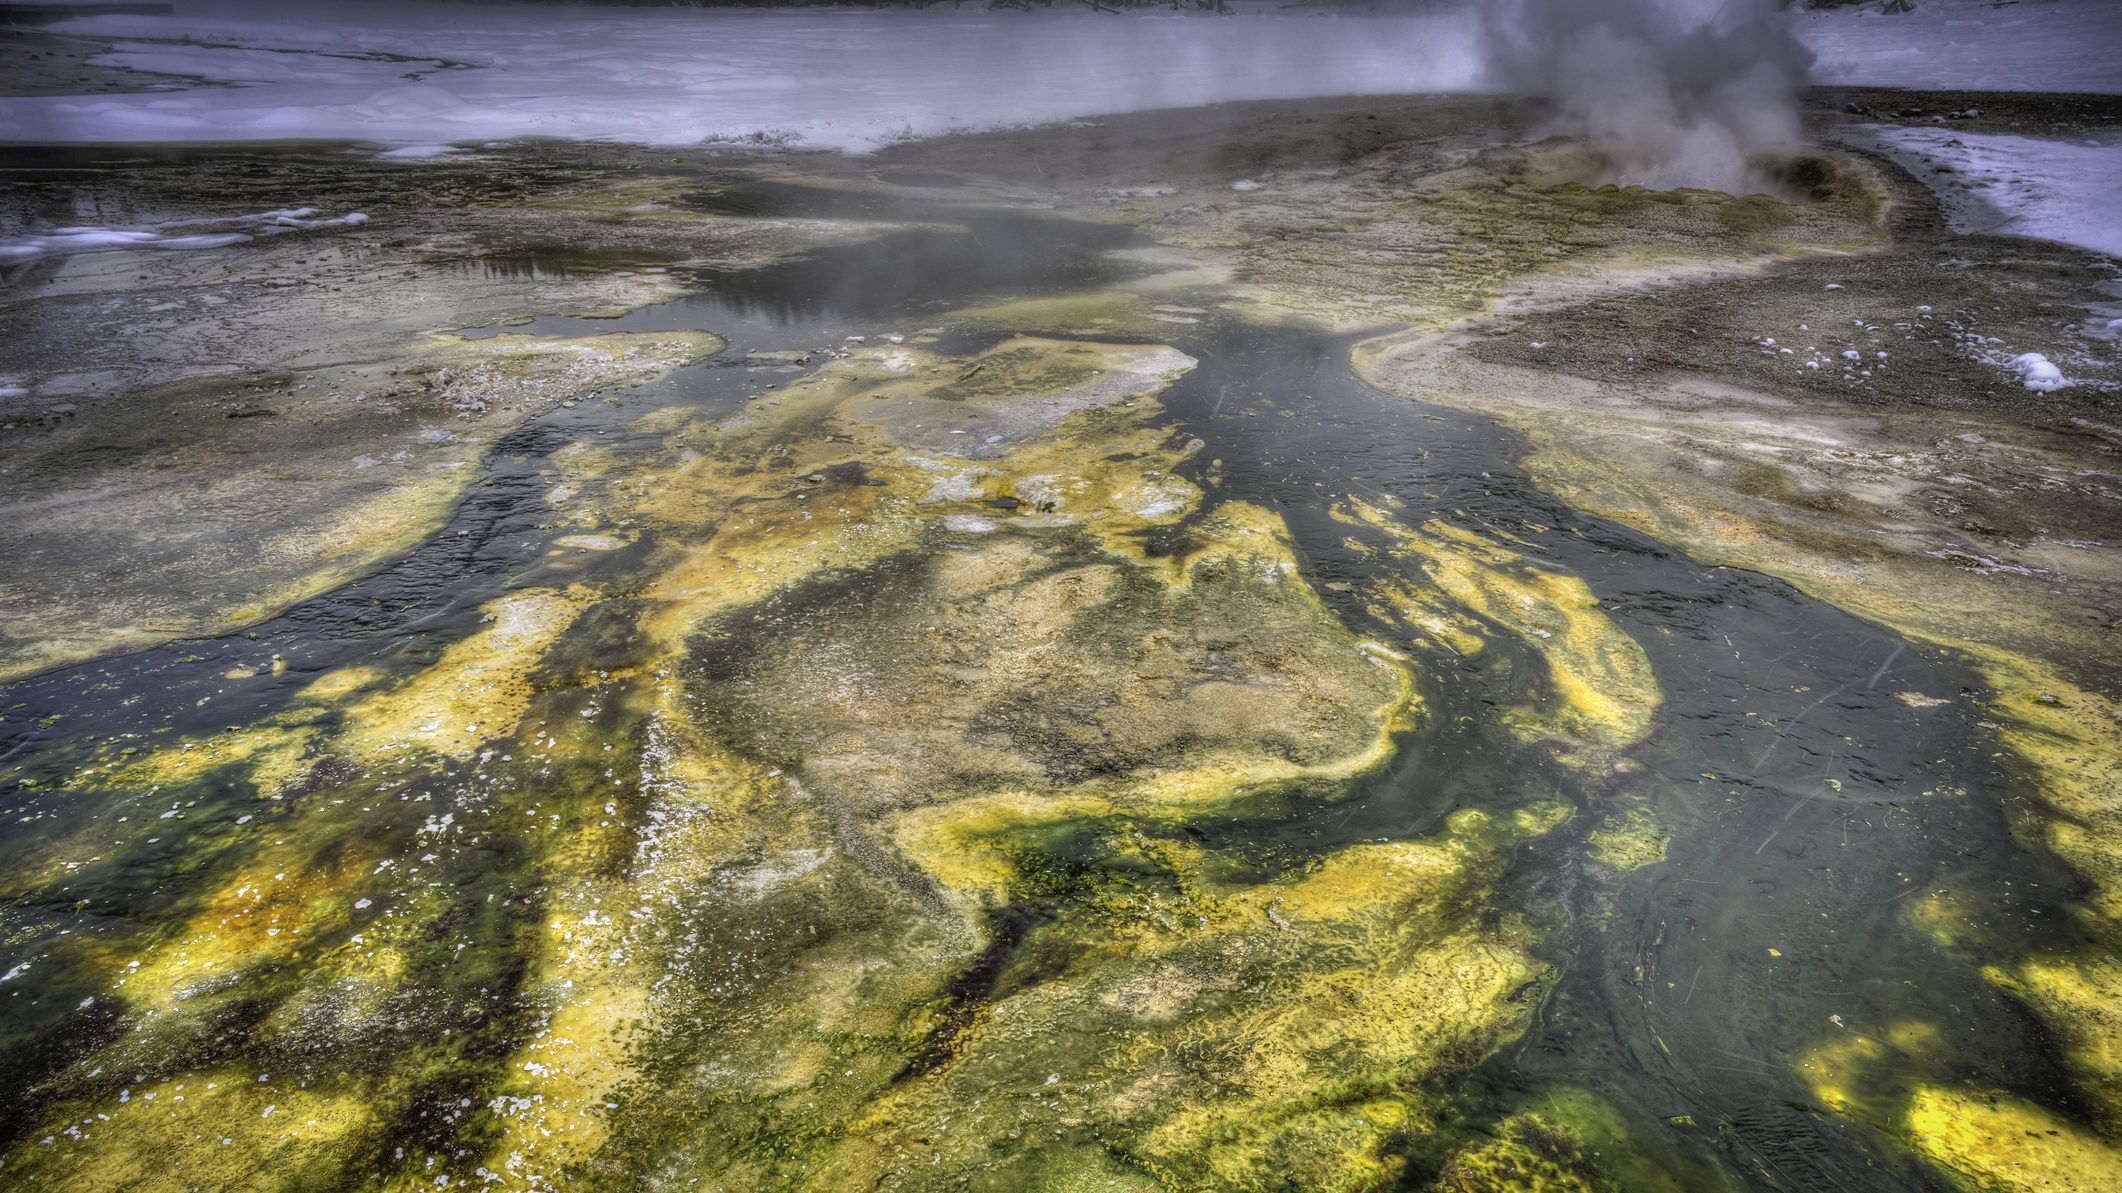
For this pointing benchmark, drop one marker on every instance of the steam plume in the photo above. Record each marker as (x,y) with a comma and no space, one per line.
(1669,92)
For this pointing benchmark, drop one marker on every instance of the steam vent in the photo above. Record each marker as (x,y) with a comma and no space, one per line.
(1047,596)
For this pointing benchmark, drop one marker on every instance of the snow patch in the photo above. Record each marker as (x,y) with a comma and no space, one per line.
(66,242)
(418,152)
(2037,372)
(2045,187)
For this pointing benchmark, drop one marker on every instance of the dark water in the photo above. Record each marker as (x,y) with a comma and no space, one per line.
(1689,988)
(1671,1001)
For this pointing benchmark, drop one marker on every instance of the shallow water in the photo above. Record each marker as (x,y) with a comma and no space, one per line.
(1675,1002)
(1804,800)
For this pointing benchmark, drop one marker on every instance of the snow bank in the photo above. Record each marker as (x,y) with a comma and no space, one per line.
(836,79)
(2051,188)
(66,241)
(61,242)
(1971,45)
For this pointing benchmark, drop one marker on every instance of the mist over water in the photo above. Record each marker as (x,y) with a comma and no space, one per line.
(1667,92)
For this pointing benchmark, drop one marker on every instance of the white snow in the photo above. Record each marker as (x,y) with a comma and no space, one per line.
(2037,372)
(414,152)
(825,78)
(2052,188)
(60,242)
(1971,45)
(64,241)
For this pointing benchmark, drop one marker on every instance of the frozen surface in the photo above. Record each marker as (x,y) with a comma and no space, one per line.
(2053,188)
(1973,45)
(847,80)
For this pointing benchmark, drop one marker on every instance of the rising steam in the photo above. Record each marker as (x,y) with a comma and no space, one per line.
(1667,92)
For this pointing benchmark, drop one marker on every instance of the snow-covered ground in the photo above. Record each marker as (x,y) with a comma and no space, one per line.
(1970,45)
(2049,187)
(839,79)
(848,79)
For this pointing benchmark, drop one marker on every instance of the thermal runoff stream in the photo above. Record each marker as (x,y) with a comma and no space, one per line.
(1296,645)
